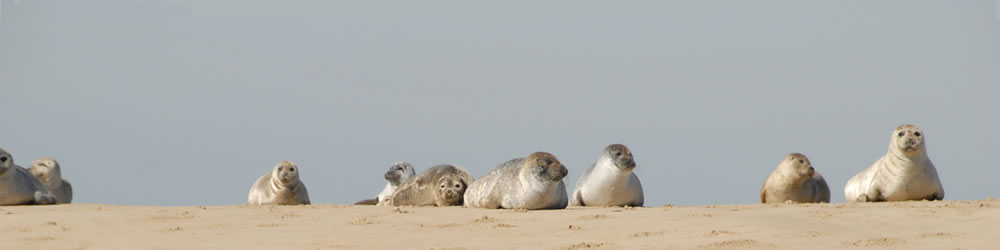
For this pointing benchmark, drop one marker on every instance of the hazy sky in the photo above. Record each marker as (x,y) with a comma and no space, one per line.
(188,102)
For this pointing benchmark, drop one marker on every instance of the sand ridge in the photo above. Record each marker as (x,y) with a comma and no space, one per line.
(904,225)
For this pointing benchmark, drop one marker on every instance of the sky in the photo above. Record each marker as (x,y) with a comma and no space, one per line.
(179,103)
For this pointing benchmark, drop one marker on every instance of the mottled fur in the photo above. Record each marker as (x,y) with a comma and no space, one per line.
(535,182)
(441,185)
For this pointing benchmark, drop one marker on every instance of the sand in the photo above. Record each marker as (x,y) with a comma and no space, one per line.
(900,225)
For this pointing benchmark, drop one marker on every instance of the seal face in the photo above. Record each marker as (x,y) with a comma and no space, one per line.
(904,173)
(533,182)
(441,185)
(18,186)
(610,181)
(795,180)
(48,171)
(280,187)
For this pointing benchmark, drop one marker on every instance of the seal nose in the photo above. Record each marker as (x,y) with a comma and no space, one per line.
(563,171)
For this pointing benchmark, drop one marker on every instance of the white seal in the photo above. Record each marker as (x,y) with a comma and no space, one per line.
(534,182)
(48,171)
(398,173)
(795,180)
(18,186)
(280,187)
(904,173)
(610,181)
(441,185)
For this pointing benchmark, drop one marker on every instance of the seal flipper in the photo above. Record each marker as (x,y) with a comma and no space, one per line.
(935,197)
(370,202)
(42,198)
(577,199)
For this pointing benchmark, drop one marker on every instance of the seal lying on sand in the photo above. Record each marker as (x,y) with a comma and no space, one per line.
(904,173)
(795,180)
(534,182)
(610,181)
(398,173)
(48,172)
(18,186)
(441,185)
(280,187)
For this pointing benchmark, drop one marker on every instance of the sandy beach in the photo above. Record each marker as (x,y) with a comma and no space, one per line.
(900,225)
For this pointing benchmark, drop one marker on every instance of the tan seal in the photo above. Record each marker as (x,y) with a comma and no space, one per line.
(441,185)
(398,173)
(18,186)
(279,187)
(904,173)
(48,171)
(610,181)
(533,182)
(795,180)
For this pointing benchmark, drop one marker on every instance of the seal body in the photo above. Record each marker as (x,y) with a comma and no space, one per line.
(48,171)
(441,185)
(904,173)
(18,186)
(533,182)
(795,180)
(398,173)
(610,181)
(280,187)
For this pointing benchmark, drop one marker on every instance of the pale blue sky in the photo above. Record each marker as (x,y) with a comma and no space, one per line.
(188,102)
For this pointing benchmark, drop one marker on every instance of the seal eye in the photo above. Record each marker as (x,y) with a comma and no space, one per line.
(458,185)
(291,169)
(916,133)
(442,185)
(901,133)
(801,161)
(619,154)
(3,159)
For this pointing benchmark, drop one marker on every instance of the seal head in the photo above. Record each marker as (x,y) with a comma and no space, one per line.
(545,167)
(621,155)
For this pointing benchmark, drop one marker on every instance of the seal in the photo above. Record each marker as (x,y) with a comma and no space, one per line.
(18,186)
(280,187)
(441,185)
(610,181)
(398,173)
(533,182)
(795,180)
(48,172)
(904,173)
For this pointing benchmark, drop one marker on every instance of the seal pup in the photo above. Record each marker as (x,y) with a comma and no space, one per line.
(533,182)
(280,187)
(795,180)
(441,185)
(398,173)
(48,171)
(904,173)
(18,186)
(610,181)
